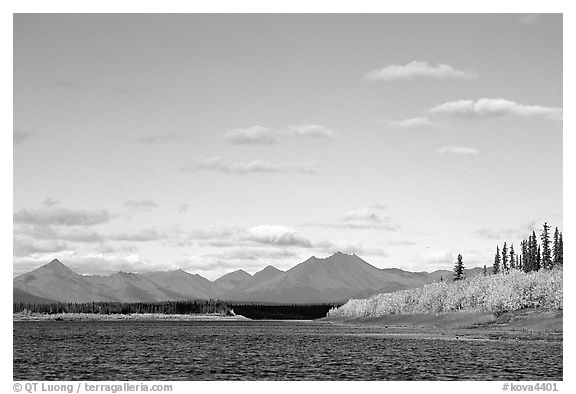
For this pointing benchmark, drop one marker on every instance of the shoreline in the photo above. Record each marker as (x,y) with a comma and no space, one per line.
(527,324)
(123,317)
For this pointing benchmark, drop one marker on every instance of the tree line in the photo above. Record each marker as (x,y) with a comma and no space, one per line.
(533,255)
(107,308)
(249,310)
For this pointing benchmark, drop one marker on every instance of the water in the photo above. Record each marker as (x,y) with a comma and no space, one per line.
(267,350)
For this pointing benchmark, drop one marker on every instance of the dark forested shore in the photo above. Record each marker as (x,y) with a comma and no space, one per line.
(196,307)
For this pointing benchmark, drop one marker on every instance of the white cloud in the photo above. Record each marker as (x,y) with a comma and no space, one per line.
(419,122)
(311,130)
(418,69)
(59,216)
(218,164)
(258,135)
(277,235)
(27,247)
(363,218)
(252,135)
(457,150)
(494,107)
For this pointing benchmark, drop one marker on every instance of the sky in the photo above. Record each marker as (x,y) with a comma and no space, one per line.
(217,142)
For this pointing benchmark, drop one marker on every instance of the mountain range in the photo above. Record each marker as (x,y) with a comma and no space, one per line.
(329,280)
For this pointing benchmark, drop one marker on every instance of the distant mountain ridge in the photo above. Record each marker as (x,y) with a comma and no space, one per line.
(317,280)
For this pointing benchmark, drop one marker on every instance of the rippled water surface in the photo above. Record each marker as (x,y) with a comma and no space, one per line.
(266,350)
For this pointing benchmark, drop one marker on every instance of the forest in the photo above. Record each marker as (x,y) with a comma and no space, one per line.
(249,310)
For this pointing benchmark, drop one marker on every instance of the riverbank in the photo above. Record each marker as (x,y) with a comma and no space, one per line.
(120,317)
(521,324)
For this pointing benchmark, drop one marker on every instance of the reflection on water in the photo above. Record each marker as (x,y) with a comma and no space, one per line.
(266,350)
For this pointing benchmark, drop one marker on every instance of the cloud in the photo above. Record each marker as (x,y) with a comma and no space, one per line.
(144,235)
(88,235)
(510,234)
(252,254)
(140,204)
(457,150)
(60,216)
(70,234)
(311,130)
(229,236)
(27,247)
(495,107)
(363,218)
(258,135)
(418,70)
(420,122)
(277,235)
(161,138)
(251,135)
(21,136)
(220,165)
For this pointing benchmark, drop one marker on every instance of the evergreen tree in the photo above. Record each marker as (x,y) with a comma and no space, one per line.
(518,262)
(459,269)
(560,251)
(512,257)
(504,258)
(485,271)
(555,248)
(525,258)
(532,253)
(496,266)
(546,255)
(538,259)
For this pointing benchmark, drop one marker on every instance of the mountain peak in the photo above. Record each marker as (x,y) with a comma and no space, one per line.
(56,265)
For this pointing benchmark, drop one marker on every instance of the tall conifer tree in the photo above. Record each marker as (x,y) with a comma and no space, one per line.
(504,258)
(512,257)
(496,266)
(459,269)
(546,255)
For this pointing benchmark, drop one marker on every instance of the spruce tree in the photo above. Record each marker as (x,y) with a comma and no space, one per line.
(555,248)
(459,269)
(505,258)
(496,266)
(485,271)
(512,257)
(538,259)
(560,251)
(525,258)
(546,255)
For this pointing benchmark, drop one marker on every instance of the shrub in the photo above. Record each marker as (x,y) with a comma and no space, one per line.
(498,293)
